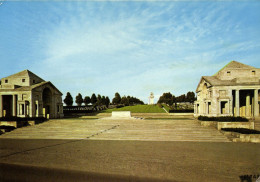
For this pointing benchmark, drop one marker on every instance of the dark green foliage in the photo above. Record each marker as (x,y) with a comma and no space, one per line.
(167,98)
(79,99)
(7,128)
(93,99)
(14,118)
(68,99)
(241,130)
(107,101)
(87,100)
(181,111)
(125,101)
(171,100)
(190,97)
(223,119)
(134,101)
(120,106)
(117,99)
(99,101)
(103,100)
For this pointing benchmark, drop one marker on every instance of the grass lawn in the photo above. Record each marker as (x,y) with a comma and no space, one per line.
(166,107)
(138,109)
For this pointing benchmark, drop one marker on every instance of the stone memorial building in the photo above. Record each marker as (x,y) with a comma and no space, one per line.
(151,99)
(24,94)
(232,91)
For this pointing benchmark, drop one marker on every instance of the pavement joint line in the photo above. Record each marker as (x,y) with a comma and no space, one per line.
(54,145)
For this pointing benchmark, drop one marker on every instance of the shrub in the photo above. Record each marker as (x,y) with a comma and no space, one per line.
(19,119)
(119,106)
(241,130)
(181,111)
(7,128)
(223,119)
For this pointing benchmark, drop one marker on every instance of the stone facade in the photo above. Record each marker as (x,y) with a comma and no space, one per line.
(24,94)
(232,91)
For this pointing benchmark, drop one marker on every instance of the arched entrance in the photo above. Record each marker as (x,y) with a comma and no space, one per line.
(47,102)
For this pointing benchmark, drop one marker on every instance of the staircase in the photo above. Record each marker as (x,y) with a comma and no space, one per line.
(98,129)
(257,123)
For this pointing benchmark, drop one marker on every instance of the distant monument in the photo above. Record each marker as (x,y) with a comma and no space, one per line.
(151,99)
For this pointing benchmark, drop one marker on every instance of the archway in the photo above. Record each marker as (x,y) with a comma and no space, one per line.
(47,102)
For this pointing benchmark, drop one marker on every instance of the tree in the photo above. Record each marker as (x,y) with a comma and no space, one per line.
(93,99)
(181,98)
(79,99)
(167,98)
(99,100)
(68,99)
(103,100)
(87,100)
(116,99)
(190,97)
(107,101)
(125,101)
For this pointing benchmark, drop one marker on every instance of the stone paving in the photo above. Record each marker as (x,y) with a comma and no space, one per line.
(153,129)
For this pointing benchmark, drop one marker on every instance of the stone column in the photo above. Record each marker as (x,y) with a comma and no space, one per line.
(25,109)
(20,109)
(237,103)
(248,105)
(1,106)
(256,105)
(37,108)
(14,105)
(206,108)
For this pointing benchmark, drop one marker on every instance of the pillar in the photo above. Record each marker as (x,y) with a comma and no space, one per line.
(248,105)
(207,108)
(36,108)
(20,109)
(14,106)
(256,105)
(237,103)
(25,109)
(1,106)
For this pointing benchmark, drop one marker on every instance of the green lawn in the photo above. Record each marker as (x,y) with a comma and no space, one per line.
(138,109)
(166,107)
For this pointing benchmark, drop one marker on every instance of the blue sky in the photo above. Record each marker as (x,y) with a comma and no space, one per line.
(133,48)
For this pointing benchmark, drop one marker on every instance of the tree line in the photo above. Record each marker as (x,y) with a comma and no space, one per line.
(94,100)
(126,100)
(101,100)
(170,99)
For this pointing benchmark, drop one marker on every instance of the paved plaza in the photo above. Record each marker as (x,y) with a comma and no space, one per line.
(95,148)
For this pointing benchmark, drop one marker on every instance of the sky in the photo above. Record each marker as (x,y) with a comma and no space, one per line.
(130,47)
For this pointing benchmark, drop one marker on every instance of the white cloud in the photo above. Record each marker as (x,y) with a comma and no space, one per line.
(136,51)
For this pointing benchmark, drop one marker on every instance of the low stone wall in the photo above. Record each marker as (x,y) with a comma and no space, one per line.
(209,123)
(254,138)
(9,123)
(219,125)
(247,125)
(18,124)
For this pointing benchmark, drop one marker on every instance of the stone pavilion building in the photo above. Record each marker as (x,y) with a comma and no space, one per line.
(24,94)
(232,91)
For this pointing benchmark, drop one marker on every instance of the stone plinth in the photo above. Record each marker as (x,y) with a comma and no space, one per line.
(121,114)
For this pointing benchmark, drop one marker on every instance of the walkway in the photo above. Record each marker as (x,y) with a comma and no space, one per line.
(164,129)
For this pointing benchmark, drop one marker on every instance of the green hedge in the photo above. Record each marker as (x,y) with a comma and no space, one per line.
(181,111)
(223,119)
(12,118)
(241,130)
